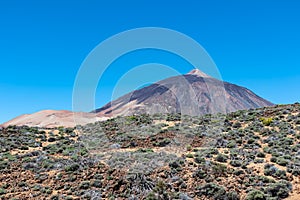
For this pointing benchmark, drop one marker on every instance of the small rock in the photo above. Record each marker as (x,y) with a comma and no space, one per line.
(115,146)
(184,196)
(28,166)
(51,139)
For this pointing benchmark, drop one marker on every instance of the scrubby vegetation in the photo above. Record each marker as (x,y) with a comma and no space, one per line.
(253,155)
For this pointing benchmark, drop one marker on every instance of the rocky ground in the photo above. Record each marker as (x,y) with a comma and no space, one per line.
(253,155)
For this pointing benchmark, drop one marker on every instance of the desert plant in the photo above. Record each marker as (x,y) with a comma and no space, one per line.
(281,161)
(280,189)
(266,121)
(71,168)
(221,158)
(255,195)
(211,190)
(2,191)
(84,185)
(261,155)
(235,163)
(200,174)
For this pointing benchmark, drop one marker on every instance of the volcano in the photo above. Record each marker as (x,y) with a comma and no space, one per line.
(194,93)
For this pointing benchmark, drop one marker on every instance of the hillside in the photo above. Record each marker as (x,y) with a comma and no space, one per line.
(252,154)
(54,118)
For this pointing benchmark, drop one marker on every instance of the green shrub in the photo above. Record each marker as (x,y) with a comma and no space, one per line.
(24,148)
(251,141)
(273,159)
(211,190)
(219,169)
(265,179)
(235,163)
(280,174)
(255,195)
(280,189)
(164,142)
(231,144)
(258,161)
(200,174)
(175,165)
(54,197)
(36,187)
(151,196)
(148,150)
(83,152)
(232,195)
(238,172)
(189,155)
(188,147)
(266,121)
(261,155)
(97,184)
(270,170)
(2,191)
(237,125)
(221,158)
(281,161)
(10,157)
(22,184)
(4,164)
(72,167)
(84,185)
(198,159)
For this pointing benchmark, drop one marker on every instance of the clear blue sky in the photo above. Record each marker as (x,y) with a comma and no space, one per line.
(255,43)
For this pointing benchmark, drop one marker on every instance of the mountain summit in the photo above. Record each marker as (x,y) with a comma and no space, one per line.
(194,93)
(199,73)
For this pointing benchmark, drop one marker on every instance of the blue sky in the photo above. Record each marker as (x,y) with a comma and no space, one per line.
(254,43)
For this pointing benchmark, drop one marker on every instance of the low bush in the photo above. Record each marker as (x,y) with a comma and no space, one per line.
(281,161)
(261,155)
(200,174)
(280,189)
(2,191)
(71,168)
(255,195)
(221,158)
(211,190)
(266,121)
(84,185)
(235,163)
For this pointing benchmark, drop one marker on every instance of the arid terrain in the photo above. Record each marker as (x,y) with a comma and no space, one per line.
(252,154)
(54,118)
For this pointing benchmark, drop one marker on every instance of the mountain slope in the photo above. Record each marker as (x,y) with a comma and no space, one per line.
(252,154)
(53,118)
(194,94)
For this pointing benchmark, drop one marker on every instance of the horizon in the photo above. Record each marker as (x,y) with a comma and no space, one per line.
(44,44)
